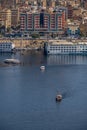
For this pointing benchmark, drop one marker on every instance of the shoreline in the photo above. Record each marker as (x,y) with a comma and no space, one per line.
(34,43)
(25,43)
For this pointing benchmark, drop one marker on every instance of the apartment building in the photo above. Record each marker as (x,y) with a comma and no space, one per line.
(5,16)
(43,21)
(14,16)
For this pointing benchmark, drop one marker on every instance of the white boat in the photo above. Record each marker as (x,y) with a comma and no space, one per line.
(7,46)
(12,61)
(59,97)
(42,67)
(65,47)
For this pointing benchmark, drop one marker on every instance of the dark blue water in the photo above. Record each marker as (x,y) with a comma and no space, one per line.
(27,95)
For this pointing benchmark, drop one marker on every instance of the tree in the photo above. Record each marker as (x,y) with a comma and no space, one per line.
(83,29)
(8,29)
(35,35)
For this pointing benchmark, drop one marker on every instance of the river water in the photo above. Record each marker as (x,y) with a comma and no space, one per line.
(27,95)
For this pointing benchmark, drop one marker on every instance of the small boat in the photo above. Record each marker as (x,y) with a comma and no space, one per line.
(59,97)
(12,61)
(42,68)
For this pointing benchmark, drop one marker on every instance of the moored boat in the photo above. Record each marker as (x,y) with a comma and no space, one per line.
(12,61)
(42,67)
(59,97)
(65,47)
(7,47)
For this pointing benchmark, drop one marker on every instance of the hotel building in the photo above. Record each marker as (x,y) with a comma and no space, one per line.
(43,21)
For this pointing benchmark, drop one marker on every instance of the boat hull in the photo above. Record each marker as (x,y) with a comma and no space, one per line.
(65,48)
(7,47)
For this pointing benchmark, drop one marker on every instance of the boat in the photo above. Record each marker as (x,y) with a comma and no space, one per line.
(7,46)
(59,97)
(42,67)
(65,47)
(12,61)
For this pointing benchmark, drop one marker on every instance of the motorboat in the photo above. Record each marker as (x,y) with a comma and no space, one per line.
(59,97)
(42,67)
(12,61)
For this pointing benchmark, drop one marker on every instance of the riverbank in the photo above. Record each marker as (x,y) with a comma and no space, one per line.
(25,43)
(29,44)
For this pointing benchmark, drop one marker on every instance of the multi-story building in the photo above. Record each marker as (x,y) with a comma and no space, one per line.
(8,3)
(63,9)
(53,22)
(70,11)
(5,16)
(29,21)
(44,3)
(43,21)
(23,22)
(14,17)
(53,3)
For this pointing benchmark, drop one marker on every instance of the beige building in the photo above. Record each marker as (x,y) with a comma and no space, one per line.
(5,16)
(44,3)
(26,1)
(77,12)
(53,3)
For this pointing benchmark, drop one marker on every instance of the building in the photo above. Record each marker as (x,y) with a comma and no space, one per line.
(44,3)
(14,17)
(8,3)
(5,16)
(53,3)
(73,28)
(70,11)
(43,22)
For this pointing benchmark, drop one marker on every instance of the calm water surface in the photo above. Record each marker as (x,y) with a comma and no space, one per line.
(27,95)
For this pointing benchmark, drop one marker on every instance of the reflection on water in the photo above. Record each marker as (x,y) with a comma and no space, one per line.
(26,58)
(5,55)
(66,59)
(38,58)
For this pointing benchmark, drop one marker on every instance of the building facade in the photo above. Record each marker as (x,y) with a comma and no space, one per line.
(73,29)
(43,22)
(14,17)
(70,11)
(5,17)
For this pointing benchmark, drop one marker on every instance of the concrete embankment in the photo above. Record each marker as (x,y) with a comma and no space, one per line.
(19,43)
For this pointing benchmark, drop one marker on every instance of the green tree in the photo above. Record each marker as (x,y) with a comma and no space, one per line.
(35,35)
(83,30)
